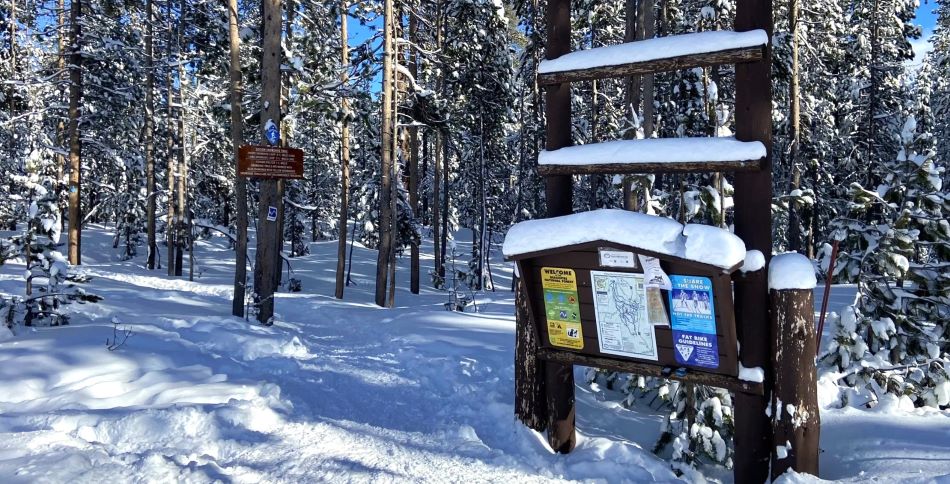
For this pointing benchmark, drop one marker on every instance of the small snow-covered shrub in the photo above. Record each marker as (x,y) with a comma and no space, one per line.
(49,285)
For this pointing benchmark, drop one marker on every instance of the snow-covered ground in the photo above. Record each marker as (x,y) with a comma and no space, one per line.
(335,391)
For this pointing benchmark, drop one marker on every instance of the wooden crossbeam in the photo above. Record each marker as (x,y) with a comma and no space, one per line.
(655,55)
(625,168)
(711,379)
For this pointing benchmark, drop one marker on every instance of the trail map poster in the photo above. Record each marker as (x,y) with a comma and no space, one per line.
(620,308)
(693,321)
(562,307)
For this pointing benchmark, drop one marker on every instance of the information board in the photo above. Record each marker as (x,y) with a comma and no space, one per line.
(562,307)
(270,162)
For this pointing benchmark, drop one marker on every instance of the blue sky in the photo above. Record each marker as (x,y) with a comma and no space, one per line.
(927,20)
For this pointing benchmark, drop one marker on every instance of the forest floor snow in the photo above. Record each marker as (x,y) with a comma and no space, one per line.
(334,391)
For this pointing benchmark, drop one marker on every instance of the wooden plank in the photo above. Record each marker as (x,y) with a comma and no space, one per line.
(753,223)
(702,378)
(729,56)
(627,168)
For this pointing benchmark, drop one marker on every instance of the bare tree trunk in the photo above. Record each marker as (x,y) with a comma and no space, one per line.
(240,184)
(75,144)
(414,163)
(171,219)
(794,127)
(60,124)
(344,155)
(181,236)
(646,21)
(386,160)
(150,138)
(445,203)
(632,97)
(437,204)
(437,170)
(266,263)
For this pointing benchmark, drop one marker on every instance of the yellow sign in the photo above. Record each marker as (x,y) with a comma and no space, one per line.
(562,307)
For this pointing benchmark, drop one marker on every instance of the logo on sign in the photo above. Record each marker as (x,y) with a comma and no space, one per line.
(573,333)
(271,132)
(271,214)
(685,351)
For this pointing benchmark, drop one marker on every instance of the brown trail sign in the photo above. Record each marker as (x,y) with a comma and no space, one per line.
(271,162)
(559,323)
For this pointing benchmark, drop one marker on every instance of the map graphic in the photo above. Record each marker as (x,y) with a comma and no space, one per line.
(620,307)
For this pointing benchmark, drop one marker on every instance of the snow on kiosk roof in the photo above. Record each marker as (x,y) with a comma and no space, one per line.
(697,243)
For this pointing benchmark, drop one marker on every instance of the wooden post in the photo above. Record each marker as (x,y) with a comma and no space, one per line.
(558,191)
(266,258)
(530,406)
(795,414)
(753,223)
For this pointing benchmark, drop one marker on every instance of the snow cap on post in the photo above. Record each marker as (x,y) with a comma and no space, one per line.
(791,271)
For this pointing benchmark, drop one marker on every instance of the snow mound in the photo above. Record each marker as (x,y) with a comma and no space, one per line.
(700,243)
(754,261)
(713,245)
(791,271)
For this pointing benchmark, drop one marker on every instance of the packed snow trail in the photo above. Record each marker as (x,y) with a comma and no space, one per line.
(335,391)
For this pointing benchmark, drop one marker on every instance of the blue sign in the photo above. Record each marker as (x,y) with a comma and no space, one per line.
(272,213)
(272,133)
(693,321)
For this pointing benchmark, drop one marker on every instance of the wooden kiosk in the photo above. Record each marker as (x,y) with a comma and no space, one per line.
(628,308)
(550,343)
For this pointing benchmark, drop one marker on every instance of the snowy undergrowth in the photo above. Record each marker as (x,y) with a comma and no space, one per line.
(335,391)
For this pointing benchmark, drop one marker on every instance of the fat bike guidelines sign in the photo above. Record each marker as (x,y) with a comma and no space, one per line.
(693,321)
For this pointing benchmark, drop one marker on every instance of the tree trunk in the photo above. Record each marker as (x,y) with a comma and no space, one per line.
(414,162)
(171,219)
(61,133)
(632,97)
(344,156)
(237,137)
(446,198)
(267,237)
(181,236)
(150,138)
(794,127)
(75,144)
(438,167)
(386,160)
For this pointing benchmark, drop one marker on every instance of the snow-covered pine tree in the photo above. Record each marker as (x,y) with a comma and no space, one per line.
(896,337)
